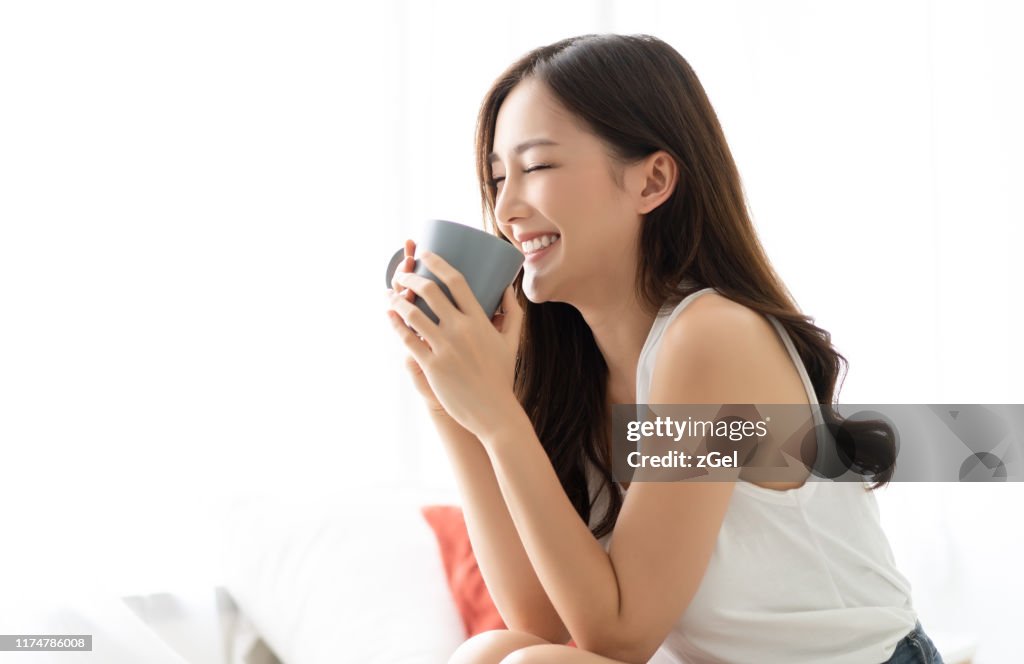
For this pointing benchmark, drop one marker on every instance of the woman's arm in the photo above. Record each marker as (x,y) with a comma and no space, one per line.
(622,603)
(510,576)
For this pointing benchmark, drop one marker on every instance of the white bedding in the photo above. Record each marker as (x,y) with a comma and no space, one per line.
(311,575)
(204,626)
(199,626)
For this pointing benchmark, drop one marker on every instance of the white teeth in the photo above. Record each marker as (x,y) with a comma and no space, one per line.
(536,244)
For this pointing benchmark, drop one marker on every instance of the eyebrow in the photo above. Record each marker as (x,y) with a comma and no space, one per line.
(523,147)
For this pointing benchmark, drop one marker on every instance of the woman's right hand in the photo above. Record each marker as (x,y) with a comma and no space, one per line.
(418,377)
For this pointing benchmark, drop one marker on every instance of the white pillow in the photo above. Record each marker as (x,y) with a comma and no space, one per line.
(354,581)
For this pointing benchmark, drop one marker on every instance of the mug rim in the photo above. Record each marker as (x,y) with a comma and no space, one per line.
(508,246)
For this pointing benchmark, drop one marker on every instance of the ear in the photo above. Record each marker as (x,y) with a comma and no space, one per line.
(658,175)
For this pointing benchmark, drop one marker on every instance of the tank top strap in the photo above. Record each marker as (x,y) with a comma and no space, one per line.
(795,356)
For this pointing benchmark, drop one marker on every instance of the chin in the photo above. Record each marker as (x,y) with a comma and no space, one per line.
(533,291)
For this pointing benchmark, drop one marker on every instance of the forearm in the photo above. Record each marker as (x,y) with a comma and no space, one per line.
(572,567)
(510,577)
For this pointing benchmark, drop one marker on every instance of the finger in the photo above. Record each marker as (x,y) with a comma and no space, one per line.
(409,263)
(456,284)
(416,346)
(414,317)
(429,291)
(513,319)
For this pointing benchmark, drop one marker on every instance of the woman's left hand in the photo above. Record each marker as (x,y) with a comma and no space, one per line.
(468,359)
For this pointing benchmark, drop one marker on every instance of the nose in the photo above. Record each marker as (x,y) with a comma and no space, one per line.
(509,204)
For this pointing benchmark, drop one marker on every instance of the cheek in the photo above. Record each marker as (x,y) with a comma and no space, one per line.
(574,198)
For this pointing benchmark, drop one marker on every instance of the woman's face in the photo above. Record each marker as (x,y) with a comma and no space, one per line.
(566,190)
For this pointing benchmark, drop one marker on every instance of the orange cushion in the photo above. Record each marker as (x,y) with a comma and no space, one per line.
(464,579)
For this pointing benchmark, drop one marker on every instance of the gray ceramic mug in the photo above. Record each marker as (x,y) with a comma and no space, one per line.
(488,262)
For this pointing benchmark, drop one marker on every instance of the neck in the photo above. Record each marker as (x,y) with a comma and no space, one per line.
(620,330)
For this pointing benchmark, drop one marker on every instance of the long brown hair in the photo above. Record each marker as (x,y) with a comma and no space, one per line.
(638,95)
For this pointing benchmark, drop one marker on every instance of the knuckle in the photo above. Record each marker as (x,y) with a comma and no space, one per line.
(415,317)
(460,326)
(431,288)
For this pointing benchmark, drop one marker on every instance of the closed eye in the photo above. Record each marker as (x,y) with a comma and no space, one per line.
(495,181)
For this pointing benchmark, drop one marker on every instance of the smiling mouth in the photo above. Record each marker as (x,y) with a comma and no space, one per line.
(539,254)
(537,245)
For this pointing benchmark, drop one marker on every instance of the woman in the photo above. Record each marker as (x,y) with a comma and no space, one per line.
(602,160)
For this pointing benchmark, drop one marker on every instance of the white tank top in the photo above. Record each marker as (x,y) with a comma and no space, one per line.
(797,576)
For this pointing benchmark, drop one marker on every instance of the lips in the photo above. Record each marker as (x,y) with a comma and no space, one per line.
(538,242)
(535,256)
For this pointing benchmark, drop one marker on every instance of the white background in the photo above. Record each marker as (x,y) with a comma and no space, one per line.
(198,200)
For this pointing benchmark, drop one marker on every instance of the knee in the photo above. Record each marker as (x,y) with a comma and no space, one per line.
(537,654)
(493,646)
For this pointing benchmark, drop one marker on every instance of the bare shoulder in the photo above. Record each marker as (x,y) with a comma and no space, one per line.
(720,351)
(713,321)
(732,350)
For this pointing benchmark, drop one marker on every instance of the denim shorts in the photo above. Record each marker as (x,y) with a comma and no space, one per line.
(915,648)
